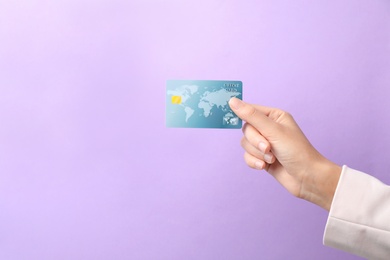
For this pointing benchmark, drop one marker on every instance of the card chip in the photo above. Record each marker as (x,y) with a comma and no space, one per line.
(176,100)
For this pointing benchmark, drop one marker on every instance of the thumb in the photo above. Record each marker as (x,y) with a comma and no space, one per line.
(257,116)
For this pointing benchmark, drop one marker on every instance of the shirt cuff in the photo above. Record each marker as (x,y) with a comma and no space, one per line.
(359,217)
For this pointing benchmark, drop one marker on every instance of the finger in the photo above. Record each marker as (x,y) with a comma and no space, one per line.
(256,139)
(254,162)
(255,152)
(257,116)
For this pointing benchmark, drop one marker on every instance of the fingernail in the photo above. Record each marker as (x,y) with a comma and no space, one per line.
(268,158)
(235,103)
(262,147)
(259,165)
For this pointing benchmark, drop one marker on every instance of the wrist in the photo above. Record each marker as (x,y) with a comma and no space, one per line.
(320,185)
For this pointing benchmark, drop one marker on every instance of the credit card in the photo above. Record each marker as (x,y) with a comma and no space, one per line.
(202,103)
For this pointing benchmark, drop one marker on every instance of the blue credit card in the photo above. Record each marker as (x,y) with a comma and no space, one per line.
(202,103)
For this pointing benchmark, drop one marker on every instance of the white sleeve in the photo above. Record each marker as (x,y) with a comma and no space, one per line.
(359,218)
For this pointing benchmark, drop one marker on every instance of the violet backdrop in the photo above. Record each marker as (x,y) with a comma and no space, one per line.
(88,169)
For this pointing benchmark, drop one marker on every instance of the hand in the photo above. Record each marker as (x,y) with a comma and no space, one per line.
(273,141)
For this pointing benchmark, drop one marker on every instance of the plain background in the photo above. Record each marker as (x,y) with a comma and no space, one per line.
(88,169)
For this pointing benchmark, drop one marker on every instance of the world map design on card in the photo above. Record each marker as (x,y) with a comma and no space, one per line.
(202,103)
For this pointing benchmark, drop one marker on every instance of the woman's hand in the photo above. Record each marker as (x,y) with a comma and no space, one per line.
(273,141)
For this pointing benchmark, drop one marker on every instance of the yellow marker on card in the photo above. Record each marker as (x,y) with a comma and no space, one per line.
(176,100)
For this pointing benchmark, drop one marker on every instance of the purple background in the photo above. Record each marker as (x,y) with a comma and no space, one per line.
(88,169)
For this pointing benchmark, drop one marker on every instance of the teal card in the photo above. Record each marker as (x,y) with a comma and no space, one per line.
(202,103)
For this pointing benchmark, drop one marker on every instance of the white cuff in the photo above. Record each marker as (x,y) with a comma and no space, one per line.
(359,217)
